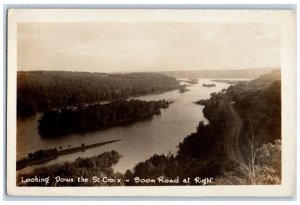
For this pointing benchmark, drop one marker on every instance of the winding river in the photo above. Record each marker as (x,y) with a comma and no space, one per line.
(139,141)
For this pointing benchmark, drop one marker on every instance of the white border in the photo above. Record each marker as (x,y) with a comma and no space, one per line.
(285,18)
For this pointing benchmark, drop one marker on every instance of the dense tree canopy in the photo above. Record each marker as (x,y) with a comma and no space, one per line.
(42,90)
(97,116)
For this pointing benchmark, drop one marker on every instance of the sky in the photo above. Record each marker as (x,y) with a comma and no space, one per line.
(137,47)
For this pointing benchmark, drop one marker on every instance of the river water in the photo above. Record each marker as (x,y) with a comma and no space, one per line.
(140,140)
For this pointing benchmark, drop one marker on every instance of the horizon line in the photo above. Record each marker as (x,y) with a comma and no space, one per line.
(235,69)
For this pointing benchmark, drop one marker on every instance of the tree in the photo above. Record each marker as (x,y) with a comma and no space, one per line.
(265,170)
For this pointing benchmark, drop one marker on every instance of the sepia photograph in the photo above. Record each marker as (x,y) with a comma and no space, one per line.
(150,100)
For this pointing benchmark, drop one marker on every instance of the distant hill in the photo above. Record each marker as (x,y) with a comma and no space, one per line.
(43,90)
(238,73)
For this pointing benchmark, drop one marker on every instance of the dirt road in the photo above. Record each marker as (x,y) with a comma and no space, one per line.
(233,135)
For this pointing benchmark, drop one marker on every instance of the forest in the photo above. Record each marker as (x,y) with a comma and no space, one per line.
(39,91)
(57,122)
(202,153)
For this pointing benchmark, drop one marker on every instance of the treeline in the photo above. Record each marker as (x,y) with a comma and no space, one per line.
(38,157)
(225,74)
(45,155)
(42,90)
(41,154)
(100,166)
(97,116)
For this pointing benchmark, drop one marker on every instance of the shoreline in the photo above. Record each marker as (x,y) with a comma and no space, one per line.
(22,164)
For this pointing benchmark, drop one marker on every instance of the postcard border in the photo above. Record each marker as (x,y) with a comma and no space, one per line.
(287,21)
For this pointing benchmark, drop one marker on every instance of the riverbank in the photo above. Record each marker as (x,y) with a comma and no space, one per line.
(29,162)
(154,131)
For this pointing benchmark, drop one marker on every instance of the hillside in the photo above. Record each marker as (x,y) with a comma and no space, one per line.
(42,90)
(211,150)
(226,74)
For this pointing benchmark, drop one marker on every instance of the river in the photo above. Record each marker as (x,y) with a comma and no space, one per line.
(140,140)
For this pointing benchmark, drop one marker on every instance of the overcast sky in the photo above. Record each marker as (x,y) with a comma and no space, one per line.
(121,47)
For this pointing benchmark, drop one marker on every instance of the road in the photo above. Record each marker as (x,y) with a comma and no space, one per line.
(232,138)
